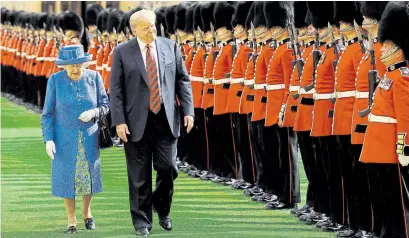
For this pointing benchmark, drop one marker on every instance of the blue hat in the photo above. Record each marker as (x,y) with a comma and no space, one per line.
(72,54)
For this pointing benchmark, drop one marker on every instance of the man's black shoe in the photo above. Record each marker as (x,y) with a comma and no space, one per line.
(294,210)
(89,223)
(334,227)
(278,206)
(346,233)
(323,223)
(71,230)
(165,222)
(142,232)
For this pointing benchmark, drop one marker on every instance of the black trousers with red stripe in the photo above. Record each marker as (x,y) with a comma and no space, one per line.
(324,193)
(308,152)
(241,130)
(225,157)
(196,142)
(389,184)
(364,216)
(257,153)
(289,189)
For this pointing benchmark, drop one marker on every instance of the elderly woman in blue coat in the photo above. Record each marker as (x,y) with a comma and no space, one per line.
(75,98)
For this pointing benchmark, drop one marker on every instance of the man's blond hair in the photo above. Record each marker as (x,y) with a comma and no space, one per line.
(142,16)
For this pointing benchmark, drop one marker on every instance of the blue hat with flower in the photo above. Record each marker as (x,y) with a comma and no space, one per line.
(72,54)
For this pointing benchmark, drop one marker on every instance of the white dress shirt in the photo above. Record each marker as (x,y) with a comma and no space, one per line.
(154,54)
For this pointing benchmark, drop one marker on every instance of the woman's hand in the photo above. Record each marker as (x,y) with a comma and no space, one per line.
(88,115)
(50,148)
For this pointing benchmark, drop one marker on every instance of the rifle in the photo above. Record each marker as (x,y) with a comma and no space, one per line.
(361,43)
(335,62)
(254,43)
(162,30)
(201,37)
(194,44)
(215,52)
(316,55)
(298,57)
(372,78)
(116,37)
(294,53)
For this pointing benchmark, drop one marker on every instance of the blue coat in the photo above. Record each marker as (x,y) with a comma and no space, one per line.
(65,100)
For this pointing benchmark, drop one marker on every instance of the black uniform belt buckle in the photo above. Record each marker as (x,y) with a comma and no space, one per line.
(210,91)
(226,86)
(250,98)
(331,113)
(251,86)
(294,108)
(263,99)
(239,93)
(360,128)
(307,101)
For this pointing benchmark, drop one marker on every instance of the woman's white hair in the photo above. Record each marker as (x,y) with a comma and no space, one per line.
(143,15)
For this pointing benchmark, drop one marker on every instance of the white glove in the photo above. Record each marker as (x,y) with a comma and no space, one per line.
(88,115)
(50,148)
(404,160)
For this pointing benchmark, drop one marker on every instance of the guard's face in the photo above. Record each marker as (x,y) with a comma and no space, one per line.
(391,53)
(144,30)
(239,31)
(69,35)
(276,31)
(92,29)
(369,23)
(208,37)
(74,71)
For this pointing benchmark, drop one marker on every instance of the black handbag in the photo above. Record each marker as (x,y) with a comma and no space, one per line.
(105,140)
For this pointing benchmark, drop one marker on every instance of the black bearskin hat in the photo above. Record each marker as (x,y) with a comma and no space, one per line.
(222,14)
(189,19)
(42,20)
(373,10)
(73,22)
(11,16)
(207,15)
(4,15)
(114,18)
(170,16)
(91,14)
(250,16)
(181,16)
(279,14)
(393,22)
(33,20)
(345,11)
(49,22)
(321,13)
(197,17)
(300,14)
(102,20)
(241,11)
(259,18)
(160,18)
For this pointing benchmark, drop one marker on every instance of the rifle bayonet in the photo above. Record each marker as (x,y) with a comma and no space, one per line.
(358,32)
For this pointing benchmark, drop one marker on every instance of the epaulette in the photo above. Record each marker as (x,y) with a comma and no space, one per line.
(404,71)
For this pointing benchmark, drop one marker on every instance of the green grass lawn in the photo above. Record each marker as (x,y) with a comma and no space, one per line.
(200,209)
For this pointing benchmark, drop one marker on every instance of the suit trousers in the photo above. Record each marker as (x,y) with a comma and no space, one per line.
(241,130)
(390,199)
(364,216)
(157,143)
(308,152)
(323,165)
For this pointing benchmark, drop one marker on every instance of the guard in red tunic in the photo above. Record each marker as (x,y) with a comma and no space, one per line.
(91,14)
(369,71)
(386,144)
(102,20)
(282,145)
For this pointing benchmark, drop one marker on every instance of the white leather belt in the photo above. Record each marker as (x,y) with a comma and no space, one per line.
(108,69)
(104,66)
(196,79)
(24,54)
(30,56)
(99,68)
(381,119)
(220,81)
(294,88)
(47,58)
(322,96)
(346,94)
(92,62)
(236,80)
(205,80)
(12,50)
(18,53)
(275,87)
(361,94)
(249,82)
(259,86)
(303,92)
(40,58)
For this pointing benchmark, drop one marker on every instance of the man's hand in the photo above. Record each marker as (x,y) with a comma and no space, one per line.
(50,148)
(404,160)
(122,131)
(189,123)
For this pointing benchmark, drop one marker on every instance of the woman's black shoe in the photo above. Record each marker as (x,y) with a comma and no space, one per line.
(89,223)
(71,230)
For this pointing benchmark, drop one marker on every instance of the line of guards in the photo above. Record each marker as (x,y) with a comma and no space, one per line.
(269,79)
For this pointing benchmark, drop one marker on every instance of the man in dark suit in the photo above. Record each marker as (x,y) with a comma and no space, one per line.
(148,78)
